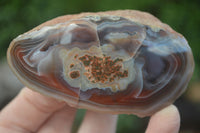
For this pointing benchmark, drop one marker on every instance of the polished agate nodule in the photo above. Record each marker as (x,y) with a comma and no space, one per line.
(117,62)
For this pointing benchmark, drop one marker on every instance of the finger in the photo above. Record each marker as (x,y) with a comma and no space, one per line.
(165,121)
(60,122)
(98,123)
(28,111)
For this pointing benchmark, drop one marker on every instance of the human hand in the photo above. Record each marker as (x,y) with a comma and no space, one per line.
(31,112)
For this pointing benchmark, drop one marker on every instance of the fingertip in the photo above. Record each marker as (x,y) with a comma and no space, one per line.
(41,100)
(171,113)
(28,111)
(166,120)
(95,122)
(61,121)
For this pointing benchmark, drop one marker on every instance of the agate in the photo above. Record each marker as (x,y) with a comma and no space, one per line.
(114,62)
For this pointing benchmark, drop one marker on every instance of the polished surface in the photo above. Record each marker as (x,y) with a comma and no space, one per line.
(105,61)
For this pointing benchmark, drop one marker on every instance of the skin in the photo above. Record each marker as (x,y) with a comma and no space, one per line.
(31,112)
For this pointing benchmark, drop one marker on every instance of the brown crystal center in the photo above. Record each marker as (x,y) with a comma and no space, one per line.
(102,69)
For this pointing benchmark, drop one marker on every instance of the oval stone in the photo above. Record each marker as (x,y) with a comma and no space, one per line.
(115,62)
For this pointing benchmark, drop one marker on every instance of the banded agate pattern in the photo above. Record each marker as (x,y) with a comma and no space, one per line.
(106,63)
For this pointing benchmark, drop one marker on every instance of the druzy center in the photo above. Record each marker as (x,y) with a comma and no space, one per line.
(102,69)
